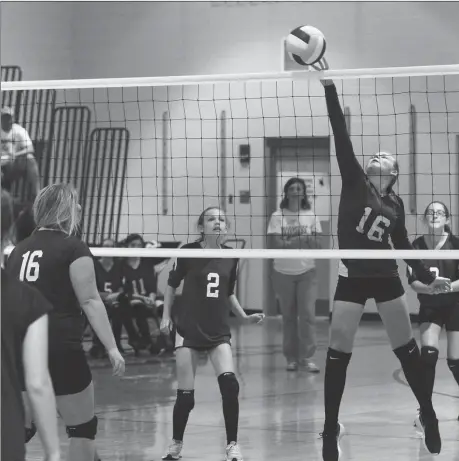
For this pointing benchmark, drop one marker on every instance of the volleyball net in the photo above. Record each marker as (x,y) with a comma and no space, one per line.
(149,155)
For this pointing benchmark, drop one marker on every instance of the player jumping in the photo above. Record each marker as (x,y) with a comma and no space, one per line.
(370,212)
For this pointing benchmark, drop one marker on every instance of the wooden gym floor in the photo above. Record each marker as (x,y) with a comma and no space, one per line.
(281,413)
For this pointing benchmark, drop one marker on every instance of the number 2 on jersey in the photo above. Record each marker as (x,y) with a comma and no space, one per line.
(213,280)
(30,268)
(376,231)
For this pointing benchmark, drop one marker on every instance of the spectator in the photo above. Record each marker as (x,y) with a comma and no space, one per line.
(140,288)
(109,275)
(295,226)
(18,161)
(24,361)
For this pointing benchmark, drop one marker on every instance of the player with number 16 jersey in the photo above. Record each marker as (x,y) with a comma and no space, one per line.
(367,217)
(202,319)
(43,260)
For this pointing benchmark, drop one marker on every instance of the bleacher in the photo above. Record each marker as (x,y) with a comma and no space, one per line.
(69,147)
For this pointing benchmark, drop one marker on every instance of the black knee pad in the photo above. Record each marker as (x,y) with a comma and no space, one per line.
(429,355)
(30,432)
(86,430)
(229,385)
(185,399)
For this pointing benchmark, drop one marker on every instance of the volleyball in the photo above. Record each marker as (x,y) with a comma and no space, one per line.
(306,45)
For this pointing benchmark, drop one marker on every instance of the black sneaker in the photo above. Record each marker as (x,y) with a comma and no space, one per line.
(432,439)
(331,450)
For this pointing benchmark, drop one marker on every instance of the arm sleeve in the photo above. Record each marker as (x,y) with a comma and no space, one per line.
(348,164)
(275,224)
(401,242)
(233,278)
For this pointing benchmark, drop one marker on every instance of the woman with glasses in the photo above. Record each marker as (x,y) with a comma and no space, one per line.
(438,309)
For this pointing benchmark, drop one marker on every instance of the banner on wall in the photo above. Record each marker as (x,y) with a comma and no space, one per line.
(317,188)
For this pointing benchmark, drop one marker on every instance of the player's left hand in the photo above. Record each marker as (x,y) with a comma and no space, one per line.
(255,318)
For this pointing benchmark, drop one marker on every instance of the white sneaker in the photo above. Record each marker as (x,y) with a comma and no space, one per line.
(310,366)
(233,452)
(292,366)
(173,452)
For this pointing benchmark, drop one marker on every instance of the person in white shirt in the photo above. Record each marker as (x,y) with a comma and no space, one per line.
(295,226)
(18,160)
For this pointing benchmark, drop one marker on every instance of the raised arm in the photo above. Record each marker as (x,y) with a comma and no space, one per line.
(348,164)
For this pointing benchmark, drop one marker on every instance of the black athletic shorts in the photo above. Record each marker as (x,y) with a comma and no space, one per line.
(359,289)
(181,342)
(447,316)
(69,371)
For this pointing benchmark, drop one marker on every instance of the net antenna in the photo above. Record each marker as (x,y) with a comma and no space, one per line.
(184,144)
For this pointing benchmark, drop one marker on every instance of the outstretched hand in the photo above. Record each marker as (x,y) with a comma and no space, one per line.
(320,66)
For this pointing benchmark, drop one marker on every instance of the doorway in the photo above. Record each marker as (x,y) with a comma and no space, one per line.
(308,158)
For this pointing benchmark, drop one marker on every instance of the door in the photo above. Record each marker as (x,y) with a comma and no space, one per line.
(309,159)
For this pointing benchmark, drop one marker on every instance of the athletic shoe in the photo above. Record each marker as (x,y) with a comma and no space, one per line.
(428,428)
(331,451)
(310,366)
(233,452)
(292,366)
(173,452)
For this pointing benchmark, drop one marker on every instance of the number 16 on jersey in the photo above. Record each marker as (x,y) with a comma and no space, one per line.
(30,268)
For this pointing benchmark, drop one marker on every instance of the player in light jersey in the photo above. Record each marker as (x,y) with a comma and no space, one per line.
(369,212)
(203,325)
(438,309)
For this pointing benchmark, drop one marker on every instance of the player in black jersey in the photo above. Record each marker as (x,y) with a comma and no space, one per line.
(438,309)
(202,325)
(140,288)
(109,279)
(24,324)
(61,267)
(370,212)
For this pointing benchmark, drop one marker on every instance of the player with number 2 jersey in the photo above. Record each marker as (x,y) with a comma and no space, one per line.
(203,324)
(202,320)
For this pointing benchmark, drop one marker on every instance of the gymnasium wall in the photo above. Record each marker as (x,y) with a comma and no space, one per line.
(37,37)
(104,40)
